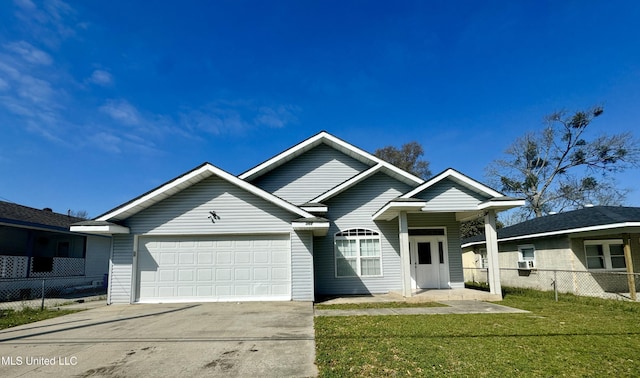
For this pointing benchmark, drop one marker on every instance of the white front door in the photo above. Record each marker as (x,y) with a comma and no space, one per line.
(429,262)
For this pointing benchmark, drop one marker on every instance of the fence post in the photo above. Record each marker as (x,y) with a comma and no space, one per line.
(631,279)
(42,303)
(555,284)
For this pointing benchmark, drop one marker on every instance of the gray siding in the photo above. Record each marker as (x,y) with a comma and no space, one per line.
(121,270)
(97,260)
(302,266)
(354,209)
(310,174)
(448,220)
(448,195)
(187,212)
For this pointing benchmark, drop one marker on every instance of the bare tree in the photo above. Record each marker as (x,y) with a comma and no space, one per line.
(78,214)
(407,158)
(561,168)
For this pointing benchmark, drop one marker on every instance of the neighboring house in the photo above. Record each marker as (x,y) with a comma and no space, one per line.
(591,240)
(323,217)
(37,244)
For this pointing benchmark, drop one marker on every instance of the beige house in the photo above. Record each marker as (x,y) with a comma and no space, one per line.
(591,249)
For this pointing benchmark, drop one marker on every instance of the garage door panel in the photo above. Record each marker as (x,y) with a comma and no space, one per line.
(223,258)
(208,269)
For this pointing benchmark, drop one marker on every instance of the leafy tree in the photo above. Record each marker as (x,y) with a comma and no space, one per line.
(407,158)
(561,168)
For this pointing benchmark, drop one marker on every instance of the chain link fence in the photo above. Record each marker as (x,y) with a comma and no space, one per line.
(17,294)
(612,285)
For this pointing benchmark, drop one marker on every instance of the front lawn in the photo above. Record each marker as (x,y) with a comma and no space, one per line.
(11,318)
(573,337)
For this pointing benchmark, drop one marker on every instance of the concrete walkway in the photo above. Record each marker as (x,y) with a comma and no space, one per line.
(453,307)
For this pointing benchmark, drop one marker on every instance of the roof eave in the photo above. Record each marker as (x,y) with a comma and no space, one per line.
(318,228)
(392,209)
(103,229)
(174,186)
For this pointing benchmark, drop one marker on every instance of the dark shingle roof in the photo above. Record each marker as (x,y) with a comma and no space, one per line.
(568,221)
(27,216)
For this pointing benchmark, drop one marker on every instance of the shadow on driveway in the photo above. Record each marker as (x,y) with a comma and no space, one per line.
(270,339)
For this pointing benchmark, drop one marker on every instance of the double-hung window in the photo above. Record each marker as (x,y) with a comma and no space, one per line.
(357,253)
(604,254)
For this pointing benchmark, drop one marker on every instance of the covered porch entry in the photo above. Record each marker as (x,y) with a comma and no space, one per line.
(429,219)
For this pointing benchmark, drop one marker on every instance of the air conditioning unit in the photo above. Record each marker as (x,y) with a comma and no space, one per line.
(528,264)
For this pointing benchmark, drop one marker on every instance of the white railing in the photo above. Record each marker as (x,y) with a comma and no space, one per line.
(18,266)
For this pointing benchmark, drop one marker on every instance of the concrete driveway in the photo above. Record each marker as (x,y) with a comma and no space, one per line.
(274,339)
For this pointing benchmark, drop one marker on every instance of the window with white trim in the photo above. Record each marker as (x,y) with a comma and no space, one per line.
(604,254)
(357,253)
(483,261)
(526,253)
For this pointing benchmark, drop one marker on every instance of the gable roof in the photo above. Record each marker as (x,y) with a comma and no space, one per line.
(334,142)
(459,178)
(186,180)
(19,215)
(582,220)
(355,180)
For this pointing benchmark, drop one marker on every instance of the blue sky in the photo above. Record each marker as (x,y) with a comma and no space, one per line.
(101,101)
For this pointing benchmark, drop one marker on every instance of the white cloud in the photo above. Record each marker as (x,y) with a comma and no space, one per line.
(25,4)
(49,24)
(29,53)
(276,117)
(101,77)
(121,111)
(232,117)
(106,142)
(3,85)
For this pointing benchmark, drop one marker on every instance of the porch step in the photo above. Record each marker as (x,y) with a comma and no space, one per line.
(436,295)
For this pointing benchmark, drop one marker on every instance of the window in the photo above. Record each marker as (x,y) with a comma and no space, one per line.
(357,253)
(483,262)
(604,254)
(526,253)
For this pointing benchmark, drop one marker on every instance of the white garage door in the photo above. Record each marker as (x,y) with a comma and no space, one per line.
(233,268)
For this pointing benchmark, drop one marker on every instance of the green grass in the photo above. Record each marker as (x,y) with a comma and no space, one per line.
(357,306)
(574,337)
(12,318)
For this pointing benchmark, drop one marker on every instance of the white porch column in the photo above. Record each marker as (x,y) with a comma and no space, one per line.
(492,252)
(405,272)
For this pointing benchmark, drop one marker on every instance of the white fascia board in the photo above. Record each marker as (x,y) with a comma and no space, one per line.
(391,210)
(285,155)
(452,173)
(355,150)
(472,244)
(152,196)
(350,149)
(574,231)
(110,229)
(318,228)
(347,184)
(502,205)
(206,171)
(562,232)
(315,209)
